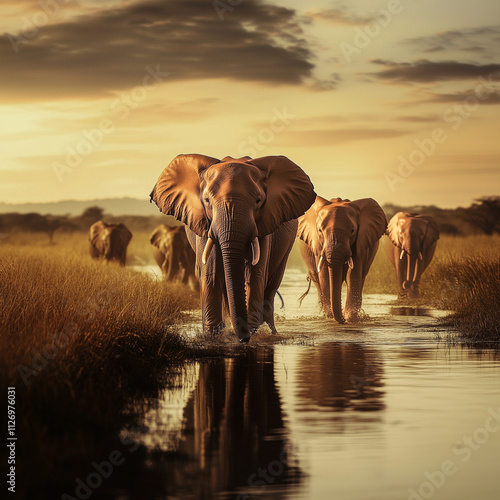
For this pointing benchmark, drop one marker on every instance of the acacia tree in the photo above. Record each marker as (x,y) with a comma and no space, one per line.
(484,213)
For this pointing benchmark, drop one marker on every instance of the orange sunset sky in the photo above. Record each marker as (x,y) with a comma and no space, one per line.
(397,100)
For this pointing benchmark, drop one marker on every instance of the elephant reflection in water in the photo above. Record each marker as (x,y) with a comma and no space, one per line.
(234,432)
(342,377)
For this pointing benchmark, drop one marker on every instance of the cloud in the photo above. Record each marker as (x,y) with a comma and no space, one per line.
(425,71)
(481,41)
(493,98)
(339,16)
(108,50)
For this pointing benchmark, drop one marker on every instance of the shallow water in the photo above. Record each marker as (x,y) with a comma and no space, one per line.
(385,409)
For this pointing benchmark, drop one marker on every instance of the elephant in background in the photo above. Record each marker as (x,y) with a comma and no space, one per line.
(241,222)
(174,255)
(341,239)
(109,241)
(414,238)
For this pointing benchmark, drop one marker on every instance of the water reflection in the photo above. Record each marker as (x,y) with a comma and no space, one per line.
(234,439)
(409,311)
(341,376)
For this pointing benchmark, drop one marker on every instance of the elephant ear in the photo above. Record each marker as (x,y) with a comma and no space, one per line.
(177,191)
(393,229)
(432,233)
(289,192)
(157,235)
(307,231)
(372,224)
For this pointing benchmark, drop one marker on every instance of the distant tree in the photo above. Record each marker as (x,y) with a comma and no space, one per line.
(485,214)
(91,215)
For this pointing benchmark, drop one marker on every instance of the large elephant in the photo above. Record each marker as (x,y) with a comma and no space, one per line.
(109,241)
(241,221)
(173,254)
(414,239)
(340,242)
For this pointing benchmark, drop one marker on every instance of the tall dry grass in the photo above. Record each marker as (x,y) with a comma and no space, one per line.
(80,339)
(463,277)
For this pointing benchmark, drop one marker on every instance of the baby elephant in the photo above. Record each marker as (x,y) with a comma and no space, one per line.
(414,239)
(341,240)
(109,241)
(174,255)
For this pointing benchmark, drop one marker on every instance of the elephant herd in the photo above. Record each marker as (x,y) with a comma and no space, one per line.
(242,217)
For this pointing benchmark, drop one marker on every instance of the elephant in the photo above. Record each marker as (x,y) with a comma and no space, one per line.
(109,241)
(241,217)
(340,240)
(174,255)
(414,238)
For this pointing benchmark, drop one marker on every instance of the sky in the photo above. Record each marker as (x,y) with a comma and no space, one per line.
(398,100)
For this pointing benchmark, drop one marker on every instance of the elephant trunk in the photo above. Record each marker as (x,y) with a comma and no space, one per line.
(234,272)
(235,239)
(337,259)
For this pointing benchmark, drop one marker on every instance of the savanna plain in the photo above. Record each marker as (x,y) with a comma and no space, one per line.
(86,343)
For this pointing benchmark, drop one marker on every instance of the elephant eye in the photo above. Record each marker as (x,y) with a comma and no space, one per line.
(207,200)
(259,200)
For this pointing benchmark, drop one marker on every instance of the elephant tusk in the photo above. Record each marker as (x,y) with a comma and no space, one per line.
(206,252)
(420,256)
(350,263)
(401,255)
(320,263)
(255,251)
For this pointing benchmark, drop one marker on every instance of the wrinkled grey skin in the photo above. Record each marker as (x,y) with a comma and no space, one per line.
(241,219)
(109,242)
(414,238)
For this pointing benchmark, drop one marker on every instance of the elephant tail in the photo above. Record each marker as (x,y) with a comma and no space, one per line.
(281,298)
(303,296)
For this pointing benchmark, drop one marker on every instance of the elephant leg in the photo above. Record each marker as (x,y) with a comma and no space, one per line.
(211,308)
(255,290)
(282,241)
(211,288)
(324,291)
(355,281)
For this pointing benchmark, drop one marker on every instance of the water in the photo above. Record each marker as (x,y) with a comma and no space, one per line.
(386,409)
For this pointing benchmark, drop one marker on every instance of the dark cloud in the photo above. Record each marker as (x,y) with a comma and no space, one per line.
(109,50)
(493,98)
(481,41)
(425,71)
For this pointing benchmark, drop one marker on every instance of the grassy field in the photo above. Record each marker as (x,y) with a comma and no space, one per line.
(79,340)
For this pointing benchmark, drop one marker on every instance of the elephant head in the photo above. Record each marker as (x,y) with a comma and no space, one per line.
(342,234)
(230,204)
(109,241)
(415,237)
